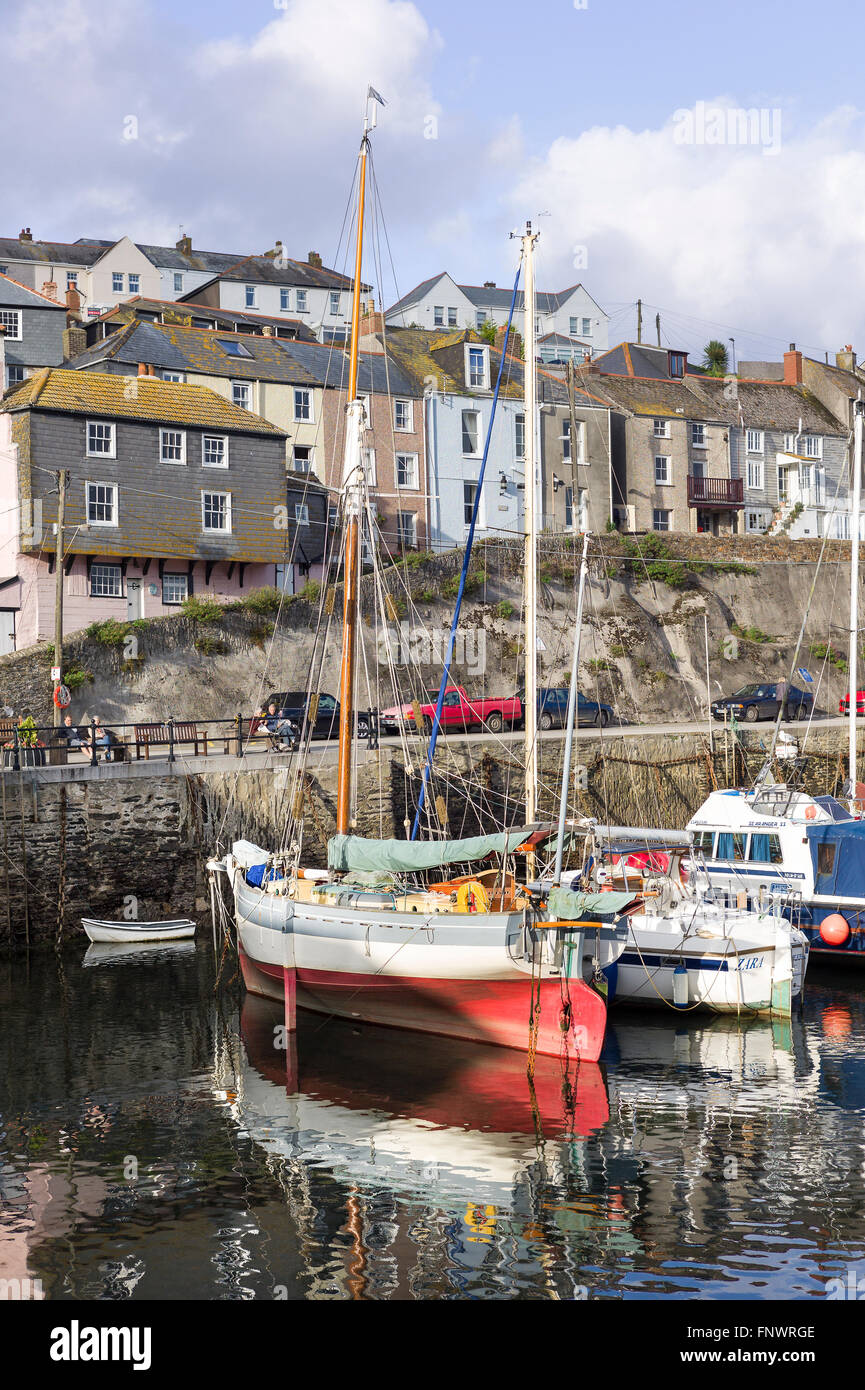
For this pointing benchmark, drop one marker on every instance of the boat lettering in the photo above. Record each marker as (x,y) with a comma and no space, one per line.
(750,963)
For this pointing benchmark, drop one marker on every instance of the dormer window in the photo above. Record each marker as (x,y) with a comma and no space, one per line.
(677,364)
(478,367)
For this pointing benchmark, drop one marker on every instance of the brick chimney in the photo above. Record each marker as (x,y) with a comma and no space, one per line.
(74,341)
(792,367)
(146,369)
(49,289)
(73,300)
(25,234)
(184,245)
(846,358)
(370,321)
(489,284)
(314,259)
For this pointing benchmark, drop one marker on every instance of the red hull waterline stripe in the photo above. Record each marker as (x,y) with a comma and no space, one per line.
(494,1011)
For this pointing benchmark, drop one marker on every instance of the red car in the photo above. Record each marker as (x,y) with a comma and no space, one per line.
(458,712)
(844,703)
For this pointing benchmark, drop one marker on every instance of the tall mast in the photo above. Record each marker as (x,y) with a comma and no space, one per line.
(858,407)
(531,701)
(352,486)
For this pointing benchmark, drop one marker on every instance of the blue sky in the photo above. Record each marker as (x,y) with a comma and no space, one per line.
(543,107)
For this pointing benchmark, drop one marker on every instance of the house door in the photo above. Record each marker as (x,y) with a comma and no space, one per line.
(134,599)
(7,630)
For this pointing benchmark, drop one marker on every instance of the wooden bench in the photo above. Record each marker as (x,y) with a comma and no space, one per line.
(251,730)
(185,732)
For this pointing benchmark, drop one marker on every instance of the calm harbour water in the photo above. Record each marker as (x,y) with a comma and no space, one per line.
(155,1144)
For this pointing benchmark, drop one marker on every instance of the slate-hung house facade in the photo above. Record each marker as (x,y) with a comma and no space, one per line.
(570,324)
(302,388)
(171,491)
(579,490)
(31,331)
(692,452)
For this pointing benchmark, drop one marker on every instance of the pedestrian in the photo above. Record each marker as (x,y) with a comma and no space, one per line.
(99,737)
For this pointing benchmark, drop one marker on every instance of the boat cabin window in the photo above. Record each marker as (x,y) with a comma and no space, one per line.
(765,849)
(731,845)
(703,842)
(826,858)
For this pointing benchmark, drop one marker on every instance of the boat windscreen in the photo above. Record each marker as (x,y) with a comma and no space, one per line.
(833,808)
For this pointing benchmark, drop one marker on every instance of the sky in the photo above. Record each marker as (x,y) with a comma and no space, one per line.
(619,128)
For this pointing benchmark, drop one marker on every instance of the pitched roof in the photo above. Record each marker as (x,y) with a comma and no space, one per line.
(96,393)
(418,292)
(430,353)
(489,296)
(14,295)
(188,311)
(268,270)
(84,253)
(756,405)
(178,347)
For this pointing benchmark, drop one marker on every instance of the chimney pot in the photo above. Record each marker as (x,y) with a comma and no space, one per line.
(142,369)
(184,245)
(25,234)
(314,259)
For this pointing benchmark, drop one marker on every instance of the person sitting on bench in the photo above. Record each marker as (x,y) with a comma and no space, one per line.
(99,738)
(282,731)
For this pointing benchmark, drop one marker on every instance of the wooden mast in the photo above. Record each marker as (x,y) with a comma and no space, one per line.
(853,656)
(352,483)
(531,701)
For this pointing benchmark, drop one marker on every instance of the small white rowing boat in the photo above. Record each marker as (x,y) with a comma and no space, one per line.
(138,931)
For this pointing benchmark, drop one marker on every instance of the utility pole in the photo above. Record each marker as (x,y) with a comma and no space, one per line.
(639,320)
(574,440)
(658,327)
(62,476)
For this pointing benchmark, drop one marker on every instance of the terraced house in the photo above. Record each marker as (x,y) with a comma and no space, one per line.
(693,452)
(302,388)
(32,326)
(171,491)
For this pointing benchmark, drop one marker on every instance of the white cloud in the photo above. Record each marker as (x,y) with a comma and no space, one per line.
(769,242)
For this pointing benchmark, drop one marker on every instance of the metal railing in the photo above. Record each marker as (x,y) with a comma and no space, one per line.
(89,743)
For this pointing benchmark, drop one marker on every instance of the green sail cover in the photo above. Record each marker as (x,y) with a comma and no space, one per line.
(565,905)
(352,853)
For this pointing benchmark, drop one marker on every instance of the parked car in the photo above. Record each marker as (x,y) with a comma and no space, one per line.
(553,709)
(755,701)
(292,704)
(458,712)
(844,703)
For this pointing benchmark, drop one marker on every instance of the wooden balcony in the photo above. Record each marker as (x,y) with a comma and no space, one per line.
(715,492)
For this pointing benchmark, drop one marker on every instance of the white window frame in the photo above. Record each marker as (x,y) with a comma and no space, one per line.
(408,542)
(784,472)
(284,300)
(246,388)
(758,437)
(412,472)
(175,463)
(484,383)
(790,443)
(117,569)
(471,453)
(72,279)
(701,442)
(813,446)
(300,304)
(452,317)
(438,316)
(301,419)
(467,521)
(760,517)
(519,428)
(178,281)
(667,480)
(308,463)
(335,313)
(91,521)
(574,322)
(662,511)
(301,514)
(115,276)
(174,602)
(136,288)
(587,328)
(223,439)
(249,297)
(368,456)
(109,453)
(755,480)
(7,316)
(660,429)
(407,426)
(171,376)
(215,530)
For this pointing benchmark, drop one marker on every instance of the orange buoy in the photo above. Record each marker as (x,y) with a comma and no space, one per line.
(834,929)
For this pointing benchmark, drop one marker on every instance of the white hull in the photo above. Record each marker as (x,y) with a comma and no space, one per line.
(137,931)
(736,962)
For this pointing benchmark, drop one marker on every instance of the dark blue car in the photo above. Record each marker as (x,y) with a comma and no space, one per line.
(553,709)
(762,701)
